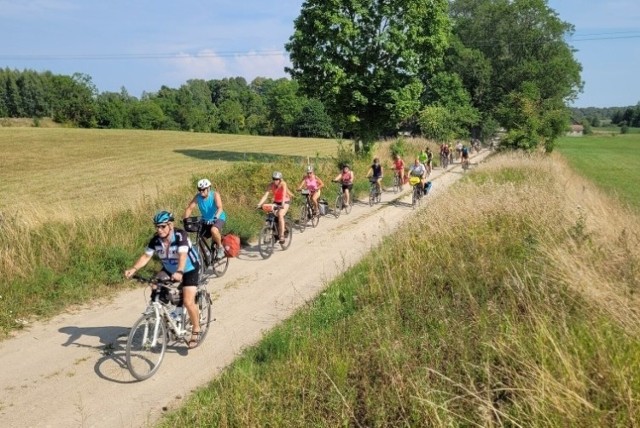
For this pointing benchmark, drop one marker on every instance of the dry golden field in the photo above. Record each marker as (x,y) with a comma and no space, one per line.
(64,173)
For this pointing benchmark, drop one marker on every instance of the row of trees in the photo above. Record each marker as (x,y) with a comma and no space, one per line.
(627,117)
(443,68)
(265,107)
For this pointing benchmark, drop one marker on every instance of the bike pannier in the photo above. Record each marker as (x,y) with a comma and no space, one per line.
(231,244)
(323,206)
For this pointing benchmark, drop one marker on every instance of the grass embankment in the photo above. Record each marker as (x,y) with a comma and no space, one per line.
(53,255)
(508,301)
(610,161)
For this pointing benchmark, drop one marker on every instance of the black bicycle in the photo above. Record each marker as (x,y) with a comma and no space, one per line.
(162,321)
(341,203)
(308,214)
(269,235)
(212,260)
(374,191)
(417,191)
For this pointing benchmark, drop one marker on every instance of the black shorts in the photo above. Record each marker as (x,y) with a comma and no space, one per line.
(189,279)
(347,187)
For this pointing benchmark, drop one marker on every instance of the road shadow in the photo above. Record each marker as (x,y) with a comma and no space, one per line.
(224,155)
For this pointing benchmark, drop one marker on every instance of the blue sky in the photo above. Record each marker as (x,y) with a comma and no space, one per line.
(144,44)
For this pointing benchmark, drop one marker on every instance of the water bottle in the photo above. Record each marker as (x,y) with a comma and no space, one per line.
(176,315)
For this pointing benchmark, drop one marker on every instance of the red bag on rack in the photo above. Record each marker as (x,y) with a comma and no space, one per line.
(231,245)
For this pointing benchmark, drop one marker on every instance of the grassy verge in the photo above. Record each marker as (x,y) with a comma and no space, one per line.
(612,162)
(498,309)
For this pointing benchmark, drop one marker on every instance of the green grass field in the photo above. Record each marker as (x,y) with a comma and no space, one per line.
(612,162)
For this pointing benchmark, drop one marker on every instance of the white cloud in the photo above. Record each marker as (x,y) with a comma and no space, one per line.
(208,65)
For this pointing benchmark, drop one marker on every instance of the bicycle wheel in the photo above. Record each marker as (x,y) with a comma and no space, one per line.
(288,233)
(219,265)
(396,184)
(304,216)
(347,207)
(378,197)
(203,301)
(338,207)
(414,197)
(266,242)
(315,219)
(203,268)
(142,354)
(372,197)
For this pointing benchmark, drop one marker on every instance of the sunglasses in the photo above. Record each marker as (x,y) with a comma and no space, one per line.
(203,190)
(161,226)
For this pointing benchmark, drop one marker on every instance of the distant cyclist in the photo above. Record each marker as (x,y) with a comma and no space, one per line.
(459,147)
(398,168)
(209,203)
(281,196)
(313,184)
(420,171)
(179,262)
(465,155)
(346,177)
(429,163)
(375,174)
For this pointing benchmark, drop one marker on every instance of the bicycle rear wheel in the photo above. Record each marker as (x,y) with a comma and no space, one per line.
(304,216)
(288,233)
(219,265)
(347,207)
(203,301)
(315,218)
(142,354)
(266,242)
(338,207)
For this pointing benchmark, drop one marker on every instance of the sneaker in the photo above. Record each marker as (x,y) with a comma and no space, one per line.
(221,253)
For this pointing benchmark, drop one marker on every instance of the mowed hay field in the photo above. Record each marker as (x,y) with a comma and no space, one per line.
(65,173)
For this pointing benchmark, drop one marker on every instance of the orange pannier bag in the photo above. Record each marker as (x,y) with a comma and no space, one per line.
(231,245)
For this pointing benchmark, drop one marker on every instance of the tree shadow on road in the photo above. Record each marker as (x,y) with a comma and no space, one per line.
(228,156)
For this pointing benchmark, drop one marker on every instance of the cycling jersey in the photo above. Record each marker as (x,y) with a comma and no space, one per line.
(422,157)
(180,243)
(417,170)
(398,165)
(279,195)
(347,178)
(208,207)
(311,183)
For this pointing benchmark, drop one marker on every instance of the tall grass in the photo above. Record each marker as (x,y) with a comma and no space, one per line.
(508,301)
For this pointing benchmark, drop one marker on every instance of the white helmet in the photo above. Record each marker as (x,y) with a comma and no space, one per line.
(309,169)
(204,184)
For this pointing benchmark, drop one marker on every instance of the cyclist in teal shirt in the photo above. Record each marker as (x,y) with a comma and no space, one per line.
(209,203)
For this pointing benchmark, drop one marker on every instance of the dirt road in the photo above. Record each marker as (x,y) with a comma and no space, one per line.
(71,371)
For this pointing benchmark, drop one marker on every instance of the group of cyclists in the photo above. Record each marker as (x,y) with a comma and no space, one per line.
(180,260)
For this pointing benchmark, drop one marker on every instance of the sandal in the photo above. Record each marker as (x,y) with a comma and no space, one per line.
(195,339)
(281,240)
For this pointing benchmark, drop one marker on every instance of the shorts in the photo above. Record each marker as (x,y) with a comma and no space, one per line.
(189,279)
(347,187)
(219,224)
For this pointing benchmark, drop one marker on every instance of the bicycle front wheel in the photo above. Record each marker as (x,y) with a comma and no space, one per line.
(338,208)
(372,197)
(146,346)
(266,242)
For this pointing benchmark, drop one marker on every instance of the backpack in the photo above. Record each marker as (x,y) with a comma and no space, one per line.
(465,150)
(231,245)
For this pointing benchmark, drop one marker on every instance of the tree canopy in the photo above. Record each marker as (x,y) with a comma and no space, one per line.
(367,61)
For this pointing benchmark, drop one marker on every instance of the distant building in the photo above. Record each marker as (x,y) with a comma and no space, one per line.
(575,130)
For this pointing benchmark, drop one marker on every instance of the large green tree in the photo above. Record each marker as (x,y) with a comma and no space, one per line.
(532,68)
(366,60)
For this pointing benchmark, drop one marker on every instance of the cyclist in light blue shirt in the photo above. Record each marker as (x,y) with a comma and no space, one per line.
(209,203)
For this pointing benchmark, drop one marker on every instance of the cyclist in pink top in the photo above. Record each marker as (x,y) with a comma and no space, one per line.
(313,184)
(281,197)
(346,177)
